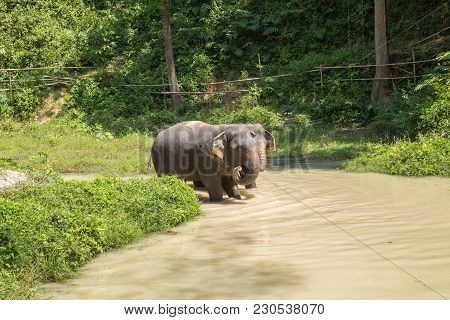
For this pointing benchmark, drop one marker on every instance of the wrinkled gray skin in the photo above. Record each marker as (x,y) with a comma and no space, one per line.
(265,143)
(210,154)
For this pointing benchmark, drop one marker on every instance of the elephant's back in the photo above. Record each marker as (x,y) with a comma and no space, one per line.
(175,148)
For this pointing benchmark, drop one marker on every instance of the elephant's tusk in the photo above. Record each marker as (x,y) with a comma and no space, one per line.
(237,173)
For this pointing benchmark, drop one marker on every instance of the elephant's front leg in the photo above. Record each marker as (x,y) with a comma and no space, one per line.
(231,188)
(213,184)
(250,186)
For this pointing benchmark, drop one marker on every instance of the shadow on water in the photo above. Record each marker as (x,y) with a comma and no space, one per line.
(203,196)
(228,270)
(274,164)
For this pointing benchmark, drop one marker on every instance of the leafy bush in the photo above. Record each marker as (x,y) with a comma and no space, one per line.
(435,117)
(424,108)
(21,105)
(399,117)
(269,119)
(335,109)
(119,111)
(243,110)
(48,231)
(426,156)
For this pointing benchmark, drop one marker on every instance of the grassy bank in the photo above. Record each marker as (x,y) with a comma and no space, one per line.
(424,157)
(325,143)
(49,231)
(67,145)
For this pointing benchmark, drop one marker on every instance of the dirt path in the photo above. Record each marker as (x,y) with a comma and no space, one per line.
(315,234)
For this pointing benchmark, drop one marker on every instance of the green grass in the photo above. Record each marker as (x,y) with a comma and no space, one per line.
(69,146)
(322,143)
(48,231)
(424,157)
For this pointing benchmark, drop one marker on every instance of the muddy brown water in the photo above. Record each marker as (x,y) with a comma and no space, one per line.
(304,233)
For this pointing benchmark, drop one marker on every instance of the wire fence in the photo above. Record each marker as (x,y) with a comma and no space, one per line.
(48,81)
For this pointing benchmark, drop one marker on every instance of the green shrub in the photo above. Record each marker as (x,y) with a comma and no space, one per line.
(435,117)
(121,112)
(424,108)
(385,130)
(399,118)
(336,109)
(269,119)
(426,156)
(48,231)
(243,110)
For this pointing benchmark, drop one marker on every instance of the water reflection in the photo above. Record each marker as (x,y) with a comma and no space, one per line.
(285,163)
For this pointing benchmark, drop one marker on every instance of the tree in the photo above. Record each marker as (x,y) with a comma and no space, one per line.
(168,50)
(379,91)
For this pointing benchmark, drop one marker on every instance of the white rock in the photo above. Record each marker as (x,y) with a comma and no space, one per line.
(10,178)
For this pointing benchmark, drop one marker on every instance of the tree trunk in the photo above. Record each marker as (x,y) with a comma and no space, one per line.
(173,84)
(379,91)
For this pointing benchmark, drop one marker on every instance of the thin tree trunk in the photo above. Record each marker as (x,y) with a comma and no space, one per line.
(379,91)
(173,84)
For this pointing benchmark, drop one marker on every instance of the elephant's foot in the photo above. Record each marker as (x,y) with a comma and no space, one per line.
(231,188)
(198,184)
(250,186)
(213,197)
(214,187)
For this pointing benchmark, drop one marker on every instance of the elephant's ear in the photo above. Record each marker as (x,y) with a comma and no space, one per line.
(270,141)
(218,146)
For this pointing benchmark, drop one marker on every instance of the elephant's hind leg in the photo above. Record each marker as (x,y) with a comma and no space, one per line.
(231,188)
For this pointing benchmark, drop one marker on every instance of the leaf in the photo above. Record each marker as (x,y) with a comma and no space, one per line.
(270,30)
(238,52)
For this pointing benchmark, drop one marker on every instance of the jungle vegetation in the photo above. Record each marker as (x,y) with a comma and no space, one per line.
(98,118)
(124,44)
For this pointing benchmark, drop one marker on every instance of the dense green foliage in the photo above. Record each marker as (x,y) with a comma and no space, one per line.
(426,156)
(427,114)
(215,40)
(212,40)
(49,231)
(435,116)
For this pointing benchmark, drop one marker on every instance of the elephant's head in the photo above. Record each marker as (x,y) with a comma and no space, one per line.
(237,151)
(265,143)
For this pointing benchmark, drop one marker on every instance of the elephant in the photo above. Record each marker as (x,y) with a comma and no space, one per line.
(265,142)
(220,157)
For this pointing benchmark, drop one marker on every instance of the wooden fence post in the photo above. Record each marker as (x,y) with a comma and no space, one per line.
(259,66)
(321,75)
(10,83)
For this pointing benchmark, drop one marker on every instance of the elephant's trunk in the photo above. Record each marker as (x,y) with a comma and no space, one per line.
(250,168)
(262,156)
